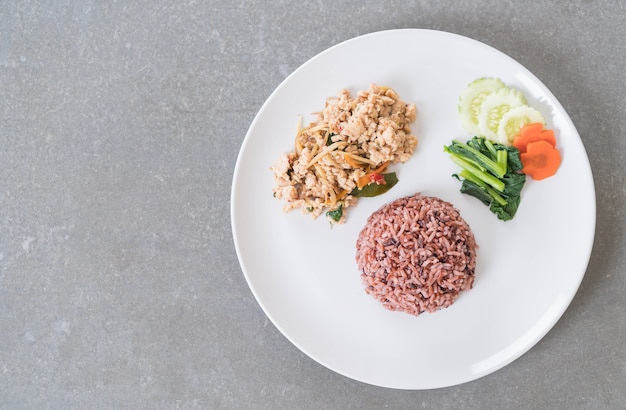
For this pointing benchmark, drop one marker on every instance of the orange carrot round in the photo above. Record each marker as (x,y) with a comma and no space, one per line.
(541,160)
(531,133)
(534,128)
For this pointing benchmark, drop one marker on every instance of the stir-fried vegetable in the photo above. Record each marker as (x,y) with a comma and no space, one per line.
(380,184)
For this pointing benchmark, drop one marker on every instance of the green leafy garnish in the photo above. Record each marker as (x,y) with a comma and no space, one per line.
(490,172)
(329,140)
(375,189)
(336,214)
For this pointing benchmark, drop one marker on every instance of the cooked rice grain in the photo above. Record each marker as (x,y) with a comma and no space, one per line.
(416,254)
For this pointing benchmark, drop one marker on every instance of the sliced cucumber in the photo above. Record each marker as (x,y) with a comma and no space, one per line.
(494,107)
(513,121)
(472,98)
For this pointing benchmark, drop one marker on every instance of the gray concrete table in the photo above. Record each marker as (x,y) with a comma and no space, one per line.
(120,125)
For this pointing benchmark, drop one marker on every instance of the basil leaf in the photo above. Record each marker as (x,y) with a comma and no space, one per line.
(329,141)
(374,189)
(336,214)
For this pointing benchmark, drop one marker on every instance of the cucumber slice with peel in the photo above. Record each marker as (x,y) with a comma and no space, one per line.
(472,98)
(493,109)
(513,121)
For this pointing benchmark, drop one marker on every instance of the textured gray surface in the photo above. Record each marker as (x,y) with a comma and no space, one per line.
(120,127)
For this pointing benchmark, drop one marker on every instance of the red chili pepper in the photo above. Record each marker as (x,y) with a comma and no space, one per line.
(378,178)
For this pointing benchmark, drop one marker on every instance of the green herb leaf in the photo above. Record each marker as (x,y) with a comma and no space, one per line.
(336,214)
(329,140)
(374,189)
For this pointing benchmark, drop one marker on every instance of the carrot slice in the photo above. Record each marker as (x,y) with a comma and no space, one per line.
(541,160)
(365,179)
(533,128)
(531,133)
(342,194)
(521,143)
(353,162)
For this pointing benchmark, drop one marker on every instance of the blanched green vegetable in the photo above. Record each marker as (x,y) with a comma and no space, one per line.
(490,172)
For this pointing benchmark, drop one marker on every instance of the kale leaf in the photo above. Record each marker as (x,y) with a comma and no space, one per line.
(490,172)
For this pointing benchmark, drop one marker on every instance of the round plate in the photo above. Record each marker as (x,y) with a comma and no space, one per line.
(303,271)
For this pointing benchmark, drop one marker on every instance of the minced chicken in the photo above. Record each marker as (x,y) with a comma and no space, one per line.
(351,139)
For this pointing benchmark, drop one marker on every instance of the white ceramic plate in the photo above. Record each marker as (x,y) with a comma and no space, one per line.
(303,273)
